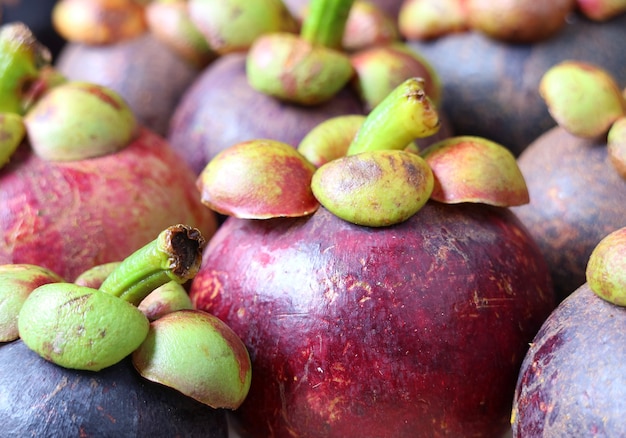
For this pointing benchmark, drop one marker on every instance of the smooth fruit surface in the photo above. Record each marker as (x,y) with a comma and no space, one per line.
(39,398)
(576,198)
(71,216)
(571,382)
(412,330)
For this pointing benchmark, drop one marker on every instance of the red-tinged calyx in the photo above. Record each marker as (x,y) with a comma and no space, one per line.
(474,169)
(169,21)
(79,120)
(258,179)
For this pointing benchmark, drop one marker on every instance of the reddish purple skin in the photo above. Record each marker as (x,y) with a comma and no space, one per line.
(413,330)
(71,216)
(572,381)
(220,109)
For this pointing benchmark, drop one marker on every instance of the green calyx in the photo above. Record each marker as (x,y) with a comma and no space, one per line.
(307,69)
(377,183)
(79,120)
(22,58)
(85,328)
(199,355)
(606,269)
(584,99)
(79,327)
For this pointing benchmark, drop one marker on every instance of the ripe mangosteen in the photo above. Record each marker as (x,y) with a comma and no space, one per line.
(276,90)
(571,382)
(81,381)
(408,326)
(77,197)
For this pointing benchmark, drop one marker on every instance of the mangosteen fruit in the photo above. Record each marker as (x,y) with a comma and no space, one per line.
(280,91)
(85,336)
(279,105)
(407,328)
(571,382)
(576,192)
(86,184)
(42,399)
(490,87)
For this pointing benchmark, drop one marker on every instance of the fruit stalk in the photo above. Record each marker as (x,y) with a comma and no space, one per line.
(405,114)
(325,23)
(175,255)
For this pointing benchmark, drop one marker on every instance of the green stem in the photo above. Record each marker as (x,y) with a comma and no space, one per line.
(325,22)
(175,255)
(405,114)
(21,59)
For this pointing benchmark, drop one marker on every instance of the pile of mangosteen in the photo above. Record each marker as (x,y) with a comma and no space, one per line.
(312,218)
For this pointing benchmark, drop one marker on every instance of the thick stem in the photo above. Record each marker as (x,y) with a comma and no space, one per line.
(325,22)
(21,59)
(175,255)
(405,114)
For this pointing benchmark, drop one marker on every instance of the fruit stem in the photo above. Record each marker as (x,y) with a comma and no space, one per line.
(175,255)
(405,114)
(325,22)
(22,58)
